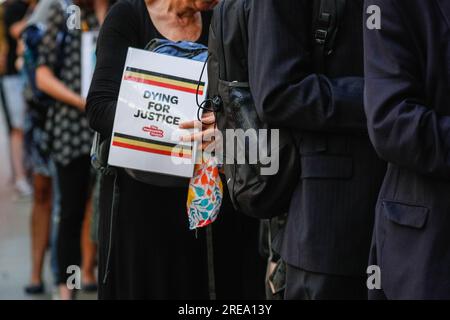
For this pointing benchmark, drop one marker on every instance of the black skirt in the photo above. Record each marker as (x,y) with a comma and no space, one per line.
(154,255)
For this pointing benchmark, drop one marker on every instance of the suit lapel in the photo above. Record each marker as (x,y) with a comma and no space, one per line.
(444,5)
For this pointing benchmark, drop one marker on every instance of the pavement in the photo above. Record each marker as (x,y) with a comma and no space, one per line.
(14,235)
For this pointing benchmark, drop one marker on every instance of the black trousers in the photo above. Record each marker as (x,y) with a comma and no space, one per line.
(306,285)
(74,180)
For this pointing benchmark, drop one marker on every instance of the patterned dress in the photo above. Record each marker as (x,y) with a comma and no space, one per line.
(67,133)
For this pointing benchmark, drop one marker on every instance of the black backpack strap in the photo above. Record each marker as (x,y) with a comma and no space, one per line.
(211,265)
(328,18)
(112,225)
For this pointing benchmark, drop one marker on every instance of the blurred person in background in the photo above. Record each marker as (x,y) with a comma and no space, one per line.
(41,208)
(41,211)
(44,212)
(14,23)
(68,137)
(3,44)
(3,59)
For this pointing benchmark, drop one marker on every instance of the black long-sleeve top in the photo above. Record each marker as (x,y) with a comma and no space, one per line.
(128,24)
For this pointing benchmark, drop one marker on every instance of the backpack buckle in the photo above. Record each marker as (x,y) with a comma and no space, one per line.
(323,26)
(321,36)
(217,104)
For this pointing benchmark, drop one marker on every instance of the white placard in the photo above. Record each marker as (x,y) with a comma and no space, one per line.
(157,93)
(88,59)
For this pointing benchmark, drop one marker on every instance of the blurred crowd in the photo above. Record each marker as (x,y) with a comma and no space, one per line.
(34,171)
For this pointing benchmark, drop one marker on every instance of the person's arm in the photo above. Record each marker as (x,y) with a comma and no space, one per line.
(286,91)
(51,85)
(48,62)
(118,33)
(403,127)
(14,19)
(16,29)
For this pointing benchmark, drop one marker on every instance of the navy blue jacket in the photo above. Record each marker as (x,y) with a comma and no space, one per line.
(330,221)
(408,109)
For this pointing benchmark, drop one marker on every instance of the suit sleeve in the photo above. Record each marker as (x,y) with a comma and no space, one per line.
(118,33)
(403,125)
(286,91)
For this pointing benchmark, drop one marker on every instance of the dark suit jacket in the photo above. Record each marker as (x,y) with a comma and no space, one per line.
(408,109)
(331,215)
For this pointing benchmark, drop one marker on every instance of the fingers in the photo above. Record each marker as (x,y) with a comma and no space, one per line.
(201,136)
(191,125)
(206,128)
(208,119)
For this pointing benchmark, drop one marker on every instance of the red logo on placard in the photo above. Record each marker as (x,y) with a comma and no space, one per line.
(154,131)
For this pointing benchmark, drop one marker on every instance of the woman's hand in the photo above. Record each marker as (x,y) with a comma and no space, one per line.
(47,82)
(20,49)
(206,136)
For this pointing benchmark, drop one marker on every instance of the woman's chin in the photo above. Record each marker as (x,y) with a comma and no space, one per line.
(204,6)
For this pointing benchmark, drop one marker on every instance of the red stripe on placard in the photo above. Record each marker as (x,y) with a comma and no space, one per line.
(163,85)
(150,150)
